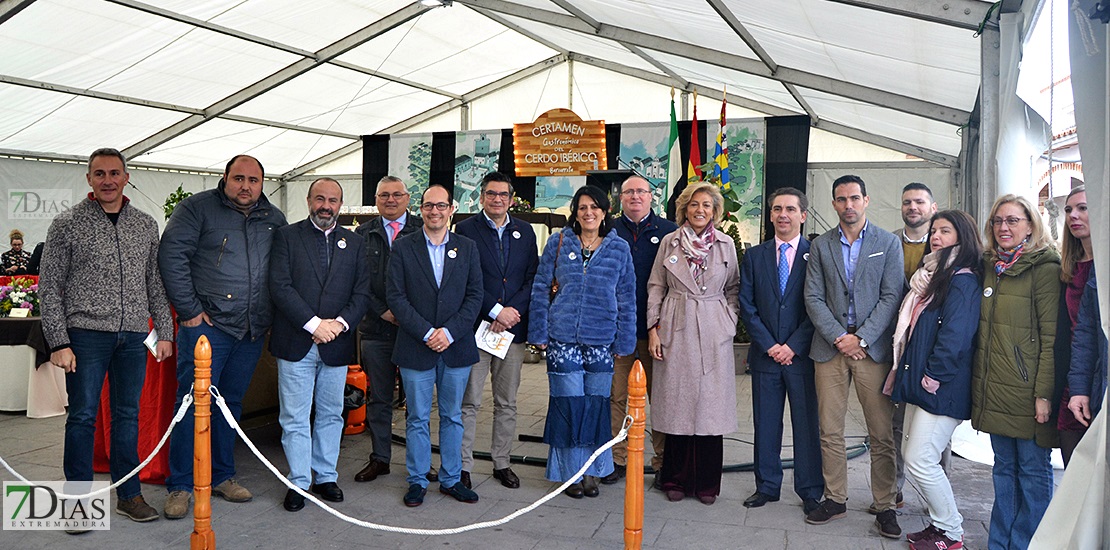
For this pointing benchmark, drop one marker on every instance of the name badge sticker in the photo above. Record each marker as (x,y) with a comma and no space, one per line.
(572,255)
(655,240)
(342,243)
(516,234)
(452,254)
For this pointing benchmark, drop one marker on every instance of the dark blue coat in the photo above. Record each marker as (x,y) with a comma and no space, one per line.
(302,287)
(942,346)
(643,242)
(772,318)
(507,278)
(1087,375)
(419,305)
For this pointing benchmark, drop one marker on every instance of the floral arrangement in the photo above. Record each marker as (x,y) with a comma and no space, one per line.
(520,205)
(22,292)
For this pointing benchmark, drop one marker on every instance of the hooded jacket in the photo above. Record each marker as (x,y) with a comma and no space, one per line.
(1014,363)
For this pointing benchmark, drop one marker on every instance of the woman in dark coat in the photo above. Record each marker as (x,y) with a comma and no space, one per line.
(935,341)
(1076,266)
(1087,377)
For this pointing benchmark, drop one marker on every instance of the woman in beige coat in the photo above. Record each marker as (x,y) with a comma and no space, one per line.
(691,311)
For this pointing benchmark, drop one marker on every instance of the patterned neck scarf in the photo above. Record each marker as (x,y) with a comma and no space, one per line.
(696,248)
(1007,258)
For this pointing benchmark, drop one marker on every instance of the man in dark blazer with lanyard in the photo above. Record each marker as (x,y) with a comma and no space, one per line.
(509,256)
(853,289)
(379,327)
(319,286)
(435,294)
(772,305)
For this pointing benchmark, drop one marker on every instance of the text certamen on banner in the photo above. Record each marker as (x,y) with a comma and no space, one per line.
(559,143)
(37,506)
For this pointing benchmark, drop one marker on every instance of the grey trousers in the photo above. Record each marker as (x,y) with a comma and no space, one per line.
(505,379)
(377,362)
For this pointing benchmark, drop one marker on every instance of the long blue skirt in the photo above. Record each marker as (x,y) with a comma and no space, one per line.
(580,378)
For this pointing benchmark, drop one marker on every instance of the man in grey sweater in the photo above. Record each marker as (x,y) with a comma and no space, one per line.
(99,285)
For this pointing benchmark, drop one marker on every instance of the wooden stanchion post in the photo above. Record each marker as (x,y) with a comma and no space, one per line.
(634,482)
(203,537)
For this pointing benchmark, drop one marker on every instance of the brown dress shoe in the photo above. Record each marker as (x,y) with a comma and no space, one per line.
(507,478)
(373,469)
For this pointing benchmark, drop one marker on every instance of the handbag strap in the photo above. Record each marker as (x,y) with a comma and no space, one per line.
(554,268)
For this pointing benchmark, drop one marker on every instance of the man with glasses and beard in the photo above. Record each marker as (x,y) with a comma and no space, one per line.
(318,281)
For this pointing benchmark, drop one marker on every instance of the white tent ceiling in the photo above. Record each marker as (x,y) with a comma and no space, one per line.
(189,83)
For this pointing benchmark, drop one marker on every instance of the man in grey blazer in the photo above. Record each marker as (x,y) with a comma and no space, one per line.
(853,290)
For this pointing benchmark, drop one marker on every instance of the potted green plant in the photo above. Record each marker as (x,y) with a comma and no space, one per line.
(171,201)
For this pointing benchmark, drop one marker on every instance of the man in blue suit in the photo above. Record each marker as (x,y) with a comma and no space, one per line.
(772,305)
(435,293)
(508,252)
(320,286)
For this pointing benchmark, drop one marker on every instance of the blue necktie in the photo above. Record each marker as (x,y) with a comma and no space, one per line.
(784,268)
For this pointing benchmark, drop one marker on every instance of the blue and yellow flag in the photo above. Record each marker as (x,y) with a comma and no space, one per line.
(720,154)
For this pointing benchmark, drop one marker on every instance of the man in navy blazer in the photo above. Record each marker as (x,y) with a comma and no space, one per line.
(509,256)
(772,305)
(435,293)
(320,288)
(853,289)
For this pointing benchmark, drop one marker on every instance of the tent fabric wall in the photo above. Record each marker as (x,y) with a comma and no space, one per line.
(884,187)
(147,192)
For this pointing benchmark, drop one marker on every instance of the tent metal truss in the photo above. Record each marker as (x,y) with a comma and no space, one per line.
(963,14)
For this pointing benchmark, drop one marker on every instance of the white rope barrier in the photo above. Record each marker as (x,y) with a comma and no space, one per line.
(410,530)
(185,402)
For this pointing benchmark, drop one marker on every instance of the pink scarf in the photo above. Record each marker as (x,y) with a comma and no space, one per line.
(696,248)
(912,306)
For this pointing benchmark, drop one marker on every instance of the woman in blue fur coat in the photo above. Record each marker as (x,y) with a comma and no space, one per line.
(591,319)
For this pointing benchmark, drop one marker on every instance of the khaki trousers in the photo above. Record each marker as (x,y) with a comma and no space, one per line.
(618,404)
(832,379)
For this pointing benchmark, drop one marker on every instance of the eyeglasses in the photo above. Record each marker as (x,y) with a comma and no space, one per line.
(1009,222)
(396,195)
(441,206)
(633,192)
(498,194)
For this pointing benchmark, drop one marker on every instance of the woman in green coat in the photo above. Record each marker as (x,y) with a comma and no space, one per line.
(1012,376)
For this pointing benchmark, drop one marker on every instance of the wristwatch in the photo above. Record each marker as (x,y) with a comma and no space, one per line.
(863,343)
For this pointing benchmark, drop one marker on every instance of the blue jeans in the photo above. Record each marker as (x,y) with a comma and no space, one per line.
(314,451)
(122,356)
(233,363)
(451,384)
(1022,490)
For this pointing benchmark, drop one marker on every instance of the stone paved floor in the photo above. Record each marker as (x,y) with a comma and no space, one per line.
(34,448)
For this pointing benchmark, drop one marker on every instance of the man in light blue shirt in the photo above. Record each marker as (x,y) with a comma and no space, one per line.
(853,289)
(434,290)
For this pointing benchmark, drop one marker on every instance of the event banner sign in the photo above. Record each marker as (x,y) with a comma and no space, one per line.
(410,158)
(644,150)
(747,140)
(476,155)
(559,143)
